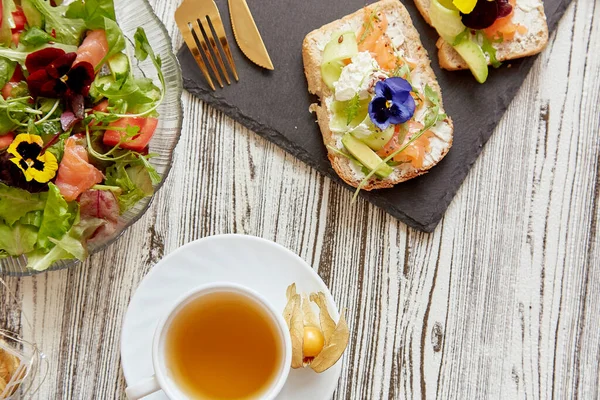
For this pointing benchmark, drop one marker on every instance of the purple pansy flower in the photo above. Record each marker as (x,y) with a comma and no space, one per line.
(392,103)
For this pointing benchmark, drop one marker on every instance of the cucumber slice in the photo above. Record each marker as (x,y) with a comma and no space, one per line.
(365,155)
(379,138)
(119,66)
(475,59)
(331,71)
(446,21)
(341,47)
(339,120)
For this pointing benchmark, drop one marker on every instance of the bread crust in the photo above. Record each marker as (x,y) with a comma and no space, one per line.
(512,49)
(312,57)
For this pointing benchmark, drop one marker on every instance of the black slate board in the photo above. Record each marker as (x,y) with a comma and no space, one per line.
(275,103)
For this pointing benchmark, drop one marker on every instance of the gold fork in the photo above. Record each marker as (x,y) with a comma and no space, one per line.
(199,21)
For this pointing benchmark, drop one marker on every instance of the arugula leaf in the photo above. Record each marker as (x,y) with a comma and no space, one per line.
(402,71)
(7,69)
(464,35)
(17,240)
(70,246)
(15,203)
(432,95)
(489,49)
(58,148)
(134,182)
(92,12)
(6,124)
(114,38)
(67,30)
(34,37)
(352,108)
(57,218)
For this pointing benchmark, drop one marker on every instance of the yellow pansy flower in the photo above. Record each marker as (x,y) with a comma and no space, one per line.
(28,156)
(465,6)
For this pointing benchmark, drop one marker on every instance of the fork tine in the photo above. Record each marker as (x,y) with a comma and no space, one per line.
(188,37)
(215,47)
(218,26)
(206,50)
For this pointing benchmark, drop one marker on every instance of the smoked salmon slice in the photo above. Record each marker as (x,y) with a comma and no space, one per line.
(75,173)
(93,49)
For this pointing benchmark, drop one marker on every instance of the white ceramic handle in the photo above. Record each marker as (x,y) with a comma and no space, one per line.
(142,389)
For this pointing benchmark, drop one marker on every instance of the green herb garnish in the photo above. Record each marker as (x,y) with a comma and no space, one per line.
(352,108)
(489,49)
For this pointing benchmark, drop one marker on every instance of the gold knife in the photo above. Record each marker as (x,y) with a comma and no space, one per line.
(247,35)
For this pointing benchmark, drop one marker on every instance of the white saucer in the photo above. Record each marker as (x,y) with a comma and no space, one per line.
(257,263)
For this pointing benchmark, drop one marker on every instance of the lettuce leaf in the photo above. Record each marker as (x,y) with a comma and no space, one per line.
(18,239)
(15,203)
(7,68)
(70,246)
(57,219)
(8,6)
(34,37)
(92,12)
(67,30)
(21,52)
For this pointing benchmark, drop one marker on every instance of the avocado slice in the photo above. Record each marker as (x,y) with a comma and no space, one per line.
(119,66)
(379,138)
(365,155)
(474,57)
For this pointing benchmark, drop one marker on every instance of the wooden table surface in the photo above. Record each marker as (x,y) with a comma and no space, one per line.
(502,301)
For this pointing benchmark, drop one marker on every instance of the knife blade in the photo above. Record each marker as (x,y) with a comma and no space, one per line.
(247,35)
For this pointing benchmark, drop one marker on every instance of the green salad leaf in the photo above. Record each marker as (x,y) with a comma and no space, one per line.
(133,180)
(33,218)
(17,240)
(34,37)
(489,49)
(115,39)
(352,108)
(67,30)
(92,12)
(8,7)
(15,203)
(57,219)
(7,68)
(71,245)
(20,53)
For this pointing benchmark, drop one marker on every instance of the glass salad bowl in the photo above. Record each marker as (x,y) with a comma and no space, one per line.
(132,14)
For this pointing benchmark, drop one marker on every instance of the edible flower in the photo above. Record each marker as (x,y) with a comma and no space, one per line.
(465,6)
(36,164)
(392,103)
(52,74)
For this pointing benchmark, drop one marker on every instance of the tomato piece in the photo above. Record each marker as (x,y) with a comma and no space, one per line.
(6,140)
(7,89)
(18,74)
(137,143)
(102,106)
(20,20)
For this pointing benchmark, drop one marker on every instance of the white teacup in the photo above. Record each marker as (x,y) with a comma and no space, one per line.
(162,379)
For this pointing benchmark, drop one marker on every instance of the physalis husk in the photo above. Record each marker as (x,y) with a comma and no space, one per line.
(316,342)
(9,365)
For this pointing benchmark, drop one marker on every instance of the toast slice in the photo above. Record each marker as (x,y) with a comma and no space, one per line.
(407,42)
(528,13)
